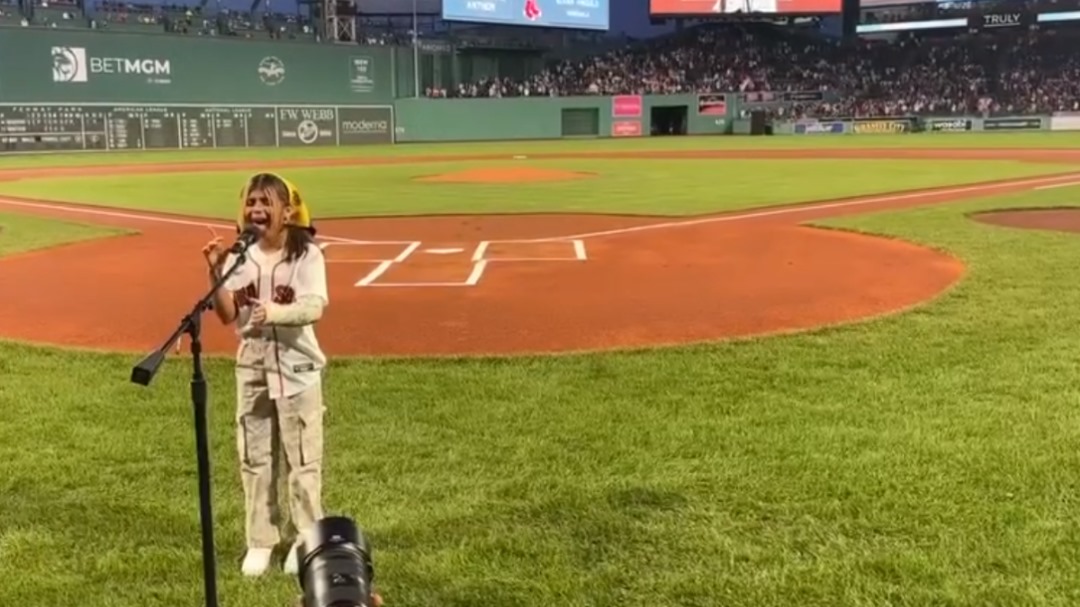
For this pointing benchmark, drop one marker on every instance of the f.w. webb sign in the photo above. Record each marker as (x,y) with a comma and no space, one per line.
(335,125)
(72,64)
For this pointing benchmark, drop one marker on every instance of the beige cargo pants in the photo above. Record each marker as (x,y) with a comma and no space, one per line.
(267,430)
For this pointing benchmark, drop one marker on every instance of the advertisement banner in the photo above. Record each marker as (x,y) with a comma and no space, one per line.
(626,106)
(87,66)
(907,26)
(626,128)
(769,97)
(819,128)
(1065,121)
(1012,124)
(1002,20)
(712,7)
(801,96)
(881,127)
(712,105)
(875,3)
(948,125)
(575,14)
(370,125)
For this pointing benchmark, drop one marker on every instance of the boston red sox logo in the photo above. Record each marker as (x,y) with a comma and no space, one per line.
(246,296)
(532,10)
(283,294)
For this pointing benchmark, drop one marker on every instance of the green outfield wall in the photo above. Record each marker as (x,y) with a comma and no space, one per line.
(88,66)
(89,90)
(432,120)
(895,125)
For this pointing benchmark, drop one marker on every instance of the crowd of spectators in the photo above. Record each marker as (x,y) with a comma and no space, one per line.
(990,72)
(1014,70)
(195,19)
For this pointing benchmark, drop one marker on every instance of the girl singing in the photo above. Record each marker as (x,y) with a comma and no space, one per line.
(274,299)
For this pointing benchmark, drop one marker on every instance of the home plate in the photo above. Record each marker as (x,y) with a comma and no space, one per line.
(447,251)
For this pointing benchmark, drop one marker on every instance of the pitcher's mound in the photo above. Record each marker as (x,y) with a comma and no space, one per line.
(504,175)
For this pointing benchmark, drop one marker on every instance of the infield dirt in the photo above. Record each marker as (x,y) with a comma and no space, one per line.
(543,283)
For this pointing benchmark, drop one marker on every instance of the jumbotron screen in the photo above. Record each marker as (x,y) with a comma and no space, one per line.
(673,8)
(571,14)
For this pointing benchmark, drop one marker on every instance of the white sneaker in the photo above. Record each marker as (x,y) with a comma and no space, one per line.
(257,561)
(292,561)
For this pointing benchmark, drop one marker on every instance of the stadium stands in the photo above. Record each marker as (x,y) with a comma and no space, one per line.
(147,16)
(990,72)
(952,72)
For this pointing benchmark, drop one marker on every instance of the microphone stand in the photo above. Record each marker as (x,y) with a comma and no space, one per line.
(145,371)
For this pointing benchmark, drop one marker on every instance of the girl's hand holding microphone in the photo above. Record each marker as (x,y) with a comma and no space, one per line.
(216,253)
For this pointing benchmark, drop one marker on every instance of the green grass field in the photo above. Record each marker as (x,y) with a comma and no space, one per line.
(1034,140)
(650,187)
(927,458)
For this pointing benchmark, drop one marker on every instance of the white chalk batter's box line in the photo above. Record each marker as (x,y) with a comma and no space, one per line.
(408,247)
(478,259)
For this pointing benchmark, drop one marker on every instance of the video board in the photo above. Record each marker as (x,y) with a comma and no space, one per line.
(673,8)
(569,14)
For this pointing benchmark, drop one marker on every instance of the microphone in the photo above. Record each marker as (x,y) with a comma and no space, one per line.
(247,237)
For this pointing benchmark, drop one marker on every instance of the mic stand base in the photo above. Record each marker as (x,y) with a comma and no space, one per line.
(202,449)
(144,372)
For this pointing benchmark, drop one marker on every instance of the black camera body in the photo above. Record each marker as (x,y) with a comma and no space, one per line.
(336,569)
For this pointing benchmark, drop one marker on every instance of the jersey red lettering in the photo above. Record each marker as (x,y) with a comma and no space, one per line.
(246,296)
(284,295)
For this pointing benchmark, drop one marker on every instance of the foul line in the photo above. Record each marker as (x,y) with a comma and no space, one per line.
(1045,183)
(145,217)
(950,191)
(1058,185)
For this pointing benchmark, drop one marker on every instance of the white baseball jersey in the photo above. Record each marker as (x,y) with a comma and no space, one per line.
(293,361)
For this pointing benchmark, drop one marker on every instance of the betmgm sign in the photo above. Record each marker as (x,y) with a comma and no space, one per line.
(72,64)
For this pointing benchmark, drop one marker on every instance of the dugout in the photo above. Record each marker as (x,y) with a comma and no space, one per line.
(668,119)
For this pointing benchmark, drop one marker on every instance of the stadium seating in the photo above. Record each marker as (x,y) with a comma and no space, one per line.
(990,72)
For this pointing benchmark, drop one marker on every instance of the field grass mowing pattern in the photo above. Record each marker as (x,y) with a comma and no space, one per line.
(643,187)
(922,459)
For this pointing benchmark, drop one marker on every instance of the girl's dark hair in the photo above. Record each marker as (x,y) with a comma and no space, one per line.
(297,238)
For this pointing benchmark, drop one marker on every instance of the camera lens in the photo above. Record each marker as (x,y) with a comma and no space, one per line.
(335,565)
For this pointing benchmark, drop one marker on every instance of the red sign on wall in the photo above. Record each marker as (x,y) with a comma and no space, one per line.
(626,128)
(712,105)
(626,106)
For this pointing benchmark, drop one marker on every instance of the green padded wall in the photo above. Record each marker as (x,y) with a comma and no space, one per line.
(75,66)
